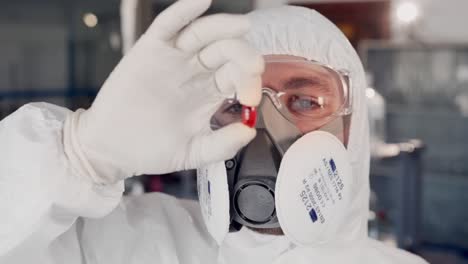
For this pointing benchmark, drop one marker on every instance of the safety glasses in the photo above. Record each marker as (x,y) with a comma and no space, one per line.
(302,91)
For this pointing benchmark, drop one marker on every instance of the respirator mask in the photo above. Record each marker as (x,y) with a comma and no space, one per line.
(295,173)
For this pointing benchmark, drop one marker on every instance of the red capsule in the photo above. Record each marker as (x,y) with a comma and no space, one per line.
(249,116)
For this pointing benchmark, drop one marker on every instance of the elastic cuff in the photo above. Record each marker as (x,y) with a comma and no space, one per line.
(74,151)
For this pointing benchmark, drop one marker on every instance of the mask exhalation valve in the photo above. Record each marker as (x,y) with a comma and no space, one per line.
(254,202)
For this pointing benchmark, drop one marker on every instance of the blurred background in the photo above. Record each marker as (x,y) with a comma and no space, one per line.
(415,53)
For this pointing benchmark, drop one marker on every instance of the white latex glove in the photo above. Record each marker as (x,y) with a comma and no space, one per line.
(152,114)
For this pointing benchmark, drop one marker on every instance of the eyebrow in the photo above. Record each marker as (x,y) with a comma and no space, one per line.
(300,82)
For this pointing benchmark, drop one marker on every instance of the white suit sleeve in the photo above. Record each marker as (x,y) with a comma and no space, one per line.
(41,196)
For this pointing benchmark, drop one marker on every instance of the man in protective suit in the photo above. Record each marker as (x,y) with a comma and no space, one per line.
(161,110)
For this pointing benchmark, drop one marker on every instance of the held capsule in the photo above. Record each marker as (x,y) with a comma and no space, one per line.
(249,116)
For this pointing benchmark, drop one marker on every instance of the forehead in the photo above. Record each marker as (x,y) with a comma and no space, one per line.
(282,57)
(281,67)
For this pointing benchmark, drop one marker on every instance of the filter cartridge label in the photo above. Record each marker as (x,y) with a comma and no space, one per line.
(322,189)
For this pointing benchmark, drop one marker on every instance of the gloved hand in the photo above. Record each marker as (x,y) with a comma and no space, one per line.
(152,114)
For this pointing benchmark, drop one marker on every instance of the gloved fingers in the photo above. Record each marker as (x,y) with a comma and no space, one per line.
(224,143)
(172,20)
(247,87)
(236,50)
(239,69)
(206,30)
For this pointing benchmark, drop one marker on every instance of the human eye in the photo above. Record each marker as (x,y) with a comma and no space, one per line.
(304,104)
(230,112)
(234,109)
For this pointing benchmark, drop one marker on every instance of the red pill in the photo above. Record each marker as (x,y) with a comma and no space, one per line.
(249,116)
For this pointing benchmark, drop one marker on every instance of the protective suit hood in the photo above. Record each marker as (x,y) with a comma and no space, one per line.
(302,32)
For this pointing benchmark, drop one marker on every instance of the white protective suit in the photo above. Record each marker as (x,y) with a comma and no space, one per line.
(45,204)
